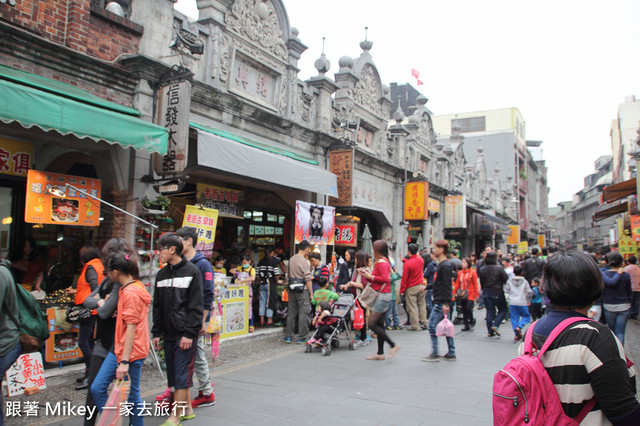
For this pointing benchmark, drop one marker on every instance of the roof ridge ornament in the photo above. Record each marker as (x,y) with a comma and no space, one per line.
(366,45)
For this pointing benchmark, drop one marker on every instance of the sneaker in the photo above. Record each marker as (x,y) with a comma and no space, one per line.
(203,400)
(397,327)
(166,396)
(357,343)
(431,358)
(448,357)
(287,339)
(311,341)
(389,328)
(251,329)
(365,342)
(466,329)
(300,342)
(518,333)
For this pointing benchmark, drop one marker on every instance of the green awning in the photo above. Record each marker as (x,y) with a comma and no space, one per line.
(32,100)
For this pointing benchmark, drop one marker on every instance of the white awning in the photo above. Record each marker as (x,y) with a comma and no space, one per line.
(241,156)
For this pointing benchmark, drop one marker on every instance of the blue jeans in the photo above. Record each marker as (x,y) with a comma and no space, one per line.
(392,318)
(106,375)
(435,317)
(617,322)
(264,295)
(429,297)
(7,361)
(493,302)
(520,316)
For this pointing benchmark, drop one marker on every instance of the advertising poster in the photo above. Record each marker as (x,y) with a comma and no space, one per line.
(235,311)
(542,240)
(26,373)
(50,201)
(514,237)
(315,223)
(347,234)
(16,158)
(455,211)
(416,196)
(523,247)
(61,344)
(205,221)
(635,228)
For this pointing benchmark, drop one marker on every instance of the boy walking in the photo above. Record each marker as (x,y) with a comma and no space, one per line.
(177,318)
(518,292)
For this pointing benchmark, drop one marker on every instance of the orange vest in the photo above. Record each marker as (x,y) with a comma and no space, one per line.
(83,290)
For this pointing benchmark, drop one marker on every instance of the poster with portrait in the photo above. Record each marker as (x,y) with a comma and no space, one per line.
(315,223)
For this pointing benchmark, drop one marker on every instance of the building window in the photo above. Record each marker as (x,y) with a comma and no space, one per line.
(471,124)
(423,165)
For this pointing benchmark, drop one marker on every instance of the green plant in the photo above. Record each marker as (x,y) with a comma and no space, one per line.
(161,202)
(523,174)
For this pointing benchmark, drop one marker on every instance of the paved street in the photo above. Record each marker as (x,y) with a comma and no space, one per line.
(265,382)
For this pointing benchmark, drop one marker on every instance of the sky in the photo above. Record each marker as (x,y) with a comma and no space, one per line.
(566,65)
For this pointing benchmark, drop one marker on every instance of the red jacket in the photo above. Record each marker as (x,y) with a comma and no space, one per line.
(412,273)
(468,279)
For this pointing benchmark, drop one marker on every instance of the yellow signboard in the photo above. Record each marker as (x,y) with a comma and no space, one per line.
(416,195)
(235,311)
(513,239)
(433,205)
(16,158)
(205,221)
(542,240)
(523,247)
(627,247)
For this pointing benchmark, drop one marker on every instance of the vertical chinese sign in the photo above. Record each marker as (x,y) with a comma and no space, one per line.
(205,222)
(542,240)
(16,158)
(174,103)
(224,200)
(416,198)
(341,165)
(346,234)
(26,373)
(513,239)
(455,215)
(50,200)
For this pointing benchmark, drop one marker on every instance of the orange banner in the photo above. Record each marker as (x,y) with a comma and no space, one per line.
(50,201)
(635,228)
(514,237)
(542,240)
(416,196)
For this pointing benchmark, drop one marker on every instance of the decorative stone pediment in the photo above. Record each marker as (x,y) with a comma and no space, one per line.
(257,21)
(368,90)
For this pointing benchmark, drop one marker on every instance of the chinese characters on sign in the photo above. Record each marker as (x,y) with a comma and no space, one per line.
(235,313)
(514,237)
(224,200)
(205,221)
(433,205)
(455,215)
(16,158)
(174,103)
(347,234)
(252,80)
(542,240)
(416,196)
(341,165)
(49,200)
(25,373)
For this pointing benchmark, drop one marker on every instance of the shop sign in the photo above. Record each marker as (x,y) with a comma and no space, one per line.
(253,80)
(455,209)
(627,247)
(514,236)
(174,104)
(50,200)
(620,227)
(346,234)
(205,222)
(61,344)
(341,165)
(483,225)
(433,205)
(416,195)
(635,228)
(235,311)
(315,223)
(26,373)
(16,158)
(224,200)
(542,240)
(523,247)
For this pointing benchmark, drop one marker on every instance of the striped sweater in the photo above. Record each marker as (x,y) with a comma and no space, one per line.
(587,360)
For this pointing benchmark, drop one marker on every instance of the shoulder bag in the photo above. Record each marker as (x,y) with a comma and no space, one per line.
(369,296)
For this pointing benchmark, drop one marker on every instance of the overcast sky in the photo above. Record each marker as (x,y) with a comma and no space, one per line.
(565,64)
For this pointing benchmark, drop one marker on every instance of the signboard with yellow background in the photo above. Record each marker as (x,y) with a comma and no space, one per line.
(205,222)
(16,158)
(50,200)
(416,196)
(514,237)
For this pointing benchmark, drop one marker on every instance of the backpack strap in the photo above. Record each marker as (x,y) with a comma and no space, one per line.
(556,332)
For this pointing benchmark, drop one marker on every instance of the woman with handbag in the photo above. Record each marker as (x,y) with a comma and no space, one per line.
(377,296)
(355,286)
(465,290)
(90,278)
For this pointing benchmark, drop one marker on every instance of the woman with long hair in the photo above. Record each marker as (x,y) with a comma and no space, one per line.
(345,269)
(355,286)
(467,280)
(380,280)
(616,295)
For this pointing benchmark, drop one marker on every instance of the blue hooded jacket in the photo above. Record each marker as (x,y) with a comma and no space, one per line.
(207,280)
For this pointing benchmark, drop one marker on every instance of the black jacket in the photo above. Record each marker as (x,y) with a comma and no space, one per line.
(442,285)
(533,268)
(178,302)
(493,278)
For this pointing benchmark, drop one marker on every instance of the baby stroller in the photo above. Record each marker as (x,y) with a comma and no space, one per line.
(340,316)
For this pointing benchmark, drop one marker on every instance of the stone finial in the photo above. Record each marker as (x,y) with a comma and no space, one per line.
(322,64)
(295,32)
(398,115)
(366,45)
(447,149)
(385,89)
(439,146)
(422,100)
(346,63)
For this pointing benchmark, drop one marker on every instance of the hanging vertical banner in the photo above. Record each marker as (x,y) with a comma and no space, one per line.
(416,198)
(315,223)
(341,165)
(455,211)
(50,200)
(205,221)
(26,373)
(514,237)
(542,241)
(635,228)
(173,109)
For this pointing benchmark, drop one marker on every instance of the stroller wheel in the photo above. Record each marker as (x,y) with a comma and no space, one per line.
(308,349)
(335,343)
(326,351)
(352,347)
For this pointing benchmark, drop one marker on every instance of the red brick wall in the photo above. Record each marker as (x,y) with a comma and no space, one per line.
(72,23)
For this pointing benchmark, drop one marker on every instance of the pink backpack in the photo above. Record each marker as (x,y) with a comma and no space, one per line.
(523,392)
